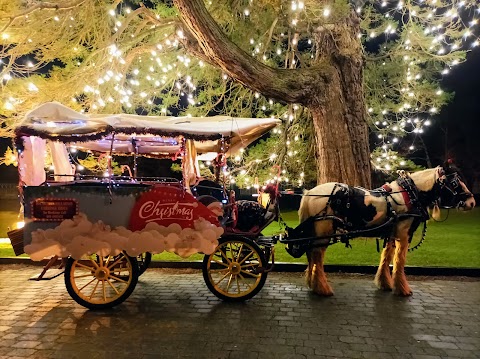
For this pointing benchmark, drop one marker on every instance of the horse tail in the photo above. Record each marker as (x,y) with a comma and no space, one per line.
(303,212)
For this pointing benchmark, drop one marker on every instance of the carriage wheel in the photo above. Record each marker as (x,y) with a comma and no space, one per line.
(144,261)
(101,282)
(234,271)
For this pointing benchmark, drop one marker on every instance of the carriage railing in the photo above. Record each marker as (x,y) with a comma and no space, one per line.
(95,178)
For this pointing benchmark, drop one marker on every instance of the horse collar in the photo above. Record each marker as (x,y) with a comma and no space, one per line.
(405,190)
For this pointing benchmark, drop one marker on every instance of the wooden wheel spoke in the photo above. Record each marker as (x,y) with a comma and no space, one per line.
(221,263)
(119,259)
(238,284)
(225,256)
(118,272)
(87,284)
(222,278)
(104,291)
(239,252)
(250,265)
(219,270)
(82,276)
(83,266)
(229,283)
(118,279)
(244,259)
(251,274)
(95,264)
(113,287)
(245,281)
(100,260)
(94,289)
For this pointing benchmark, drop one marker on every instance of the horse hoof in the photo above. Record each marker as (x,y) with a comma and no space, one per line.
(404,294)
(327,293)
(384,287)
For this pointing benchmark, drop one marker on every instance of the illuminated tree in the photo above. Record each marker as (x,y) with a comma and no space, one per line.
(328,69)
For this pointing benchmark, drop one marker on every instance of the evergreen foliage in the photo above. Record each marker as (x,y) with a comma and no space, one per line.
(111,56)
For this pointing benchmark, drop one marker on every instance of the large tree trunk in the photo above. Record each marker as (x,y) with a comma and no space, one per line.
(341,141)
(339,111)
(332,88)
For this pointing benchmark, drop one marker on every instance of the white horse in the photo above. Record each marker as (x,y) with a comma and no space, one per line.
(362,209)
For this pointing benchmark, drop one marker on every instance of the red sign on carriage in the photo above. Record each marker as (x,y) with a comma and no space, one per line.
(166,205)
(54,209)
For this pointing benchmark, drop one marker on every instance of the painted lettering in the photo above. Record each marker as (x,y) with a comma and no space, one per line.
(153,211)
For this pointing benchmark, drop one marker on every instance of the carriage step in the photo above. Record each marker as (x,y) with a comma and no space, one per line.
(50,274)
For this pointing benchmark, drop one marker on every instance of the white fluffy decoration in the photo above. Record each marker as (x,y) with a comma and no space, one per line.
(78,237)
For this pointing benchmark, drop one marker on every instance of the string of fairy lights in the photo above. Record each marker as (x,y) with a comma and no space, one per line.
(408,34)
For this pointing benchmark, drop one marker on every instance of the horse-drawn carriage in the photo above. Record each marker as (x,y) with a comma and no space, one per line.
(106,228)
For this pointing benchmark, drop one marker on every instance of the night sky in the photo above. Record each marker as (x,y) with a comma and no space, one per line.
(455,132)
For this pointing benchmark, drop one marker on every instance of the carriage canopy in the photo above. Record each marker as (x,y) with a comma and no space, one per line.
(54,125)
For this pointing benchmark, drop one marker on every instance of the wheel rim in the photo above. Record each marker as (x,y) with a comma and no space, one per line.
(100,280)
(233,269)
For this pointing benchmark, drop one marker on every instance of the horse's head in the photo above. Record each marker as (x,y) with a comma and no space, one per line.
(453,191)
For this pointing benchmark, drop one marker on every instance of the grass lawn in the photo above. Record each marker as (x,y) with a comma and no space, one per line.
(453,243)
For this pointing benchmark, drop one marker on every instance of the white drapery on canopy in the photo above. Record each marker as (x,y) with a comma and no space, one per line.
(61,162)
(31,161)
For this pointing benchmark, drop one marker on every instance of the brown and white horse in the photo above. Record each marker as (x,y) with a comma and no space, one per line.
(363,209)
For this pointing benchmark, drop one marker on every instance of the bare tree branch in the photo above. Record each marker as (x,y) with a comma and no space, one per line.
(292,86)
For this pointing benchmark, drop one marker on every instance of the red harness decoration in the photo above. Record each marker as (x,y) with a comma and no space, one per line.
(406,197)
(387,188)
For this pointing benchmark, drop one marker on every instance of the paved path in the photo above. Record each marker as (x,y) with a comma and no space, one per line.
(173,315)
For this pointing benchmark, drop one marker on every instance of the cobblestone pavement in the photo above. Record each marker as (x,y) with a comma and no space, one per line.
(173,315)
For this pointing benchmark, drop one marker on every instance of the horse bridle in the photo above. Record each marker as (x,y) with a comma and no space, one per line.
(453,184)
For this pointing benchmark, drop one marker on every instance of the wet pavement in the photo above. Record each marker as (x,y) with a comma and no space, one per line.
(171,314)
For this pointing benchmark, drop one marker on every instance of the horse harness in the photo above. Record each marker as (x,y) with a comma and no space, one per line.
(411,197)
(344,202)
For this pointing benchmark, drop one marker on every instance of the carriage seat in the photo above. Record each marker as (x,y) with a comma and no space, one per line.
(252,216)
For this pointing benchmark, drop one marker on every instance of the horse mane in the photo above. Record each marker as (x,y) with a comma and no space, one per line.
(425,180)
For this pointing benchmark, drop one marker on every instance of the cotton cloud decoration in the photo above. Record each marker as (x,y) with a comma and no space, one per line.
(78,237)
